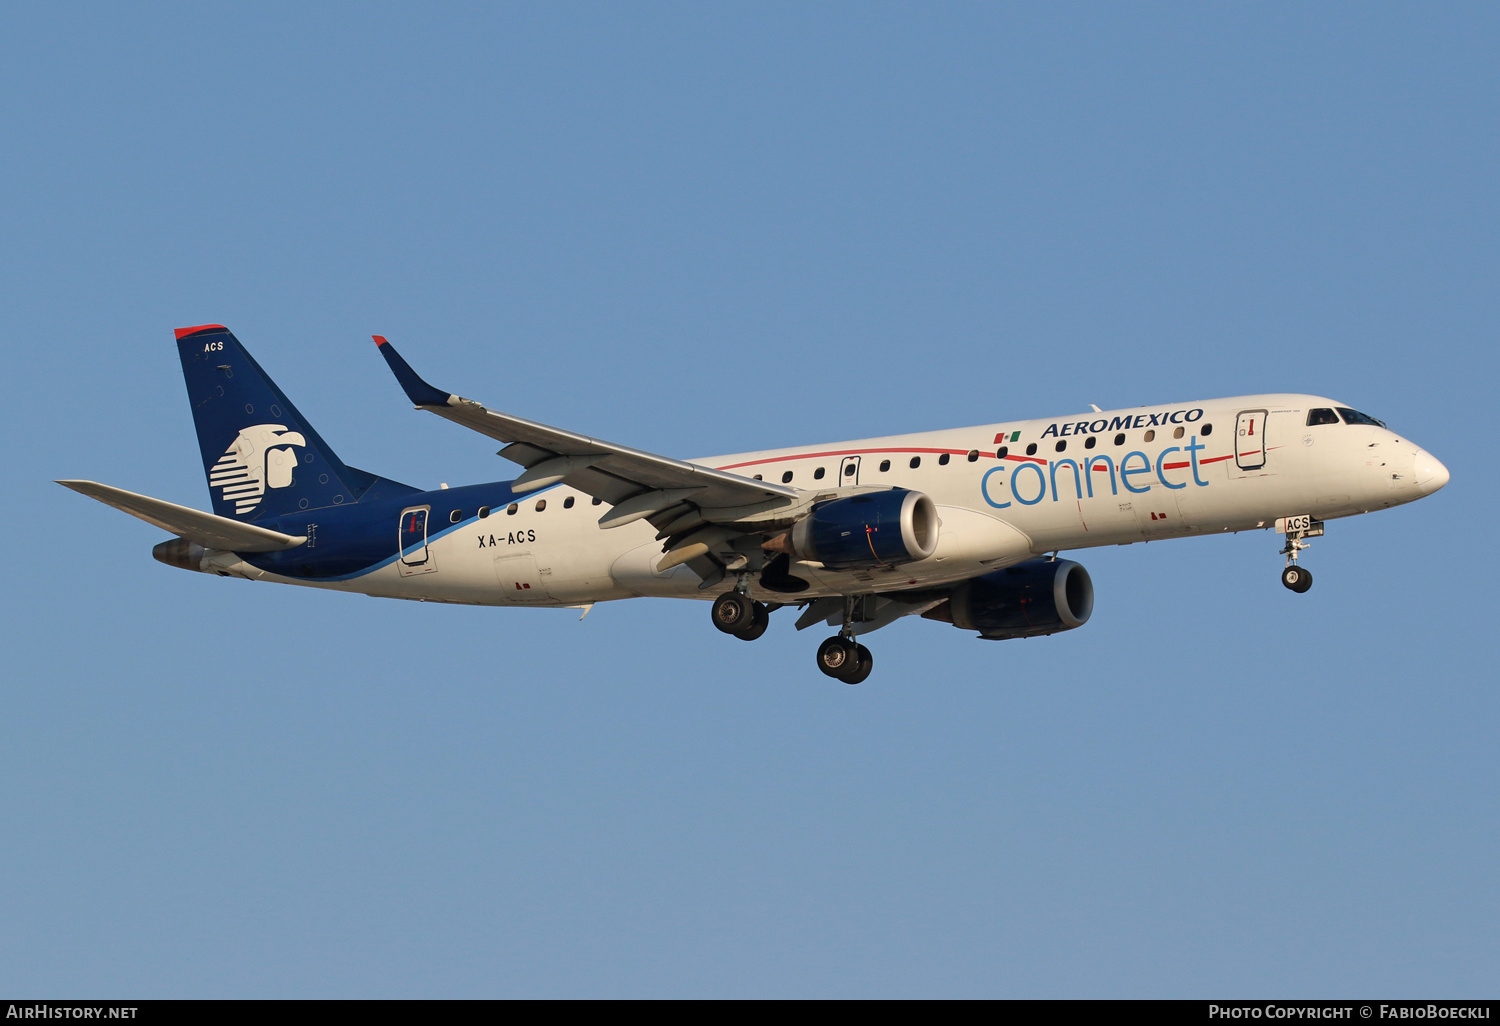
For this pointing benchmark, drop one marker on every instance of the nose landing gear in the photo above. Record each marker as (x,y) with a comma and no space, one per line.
(1297,531)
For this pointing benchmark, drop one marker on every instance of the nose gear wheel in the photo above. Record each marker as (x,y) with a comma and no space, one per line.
(1297,578)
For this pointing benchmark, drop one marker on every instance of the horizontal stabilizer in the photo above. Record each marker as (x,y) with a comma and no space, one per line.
(208,530)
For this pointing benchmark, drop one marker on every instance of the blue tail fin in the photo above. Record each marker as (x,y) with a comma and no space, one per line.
(262,458)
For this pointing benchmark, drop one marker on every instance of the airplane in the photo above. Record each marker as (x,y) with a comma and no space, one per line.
(962,526)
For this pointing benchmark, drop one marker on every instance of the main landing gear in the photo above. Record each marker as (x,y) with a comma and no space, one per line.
(843,658)
(1297,530)
(738,614)
(840,657)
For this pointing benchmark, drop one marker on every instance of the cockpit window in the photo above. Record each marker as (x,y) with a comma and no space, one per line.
(1321,417)
(1355,417)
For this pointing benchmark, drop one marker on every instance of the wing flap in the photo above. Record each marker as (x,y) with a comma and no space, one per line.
(207,529)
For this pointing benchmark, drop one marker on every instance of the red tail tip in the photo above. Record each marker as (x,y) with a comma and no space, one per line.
(185,332)
(379,339)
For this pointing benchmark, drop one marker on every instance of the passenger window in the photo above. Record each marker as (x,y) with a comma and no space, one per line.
(455,516)
(510,510)
(1208,429)
(885,465)
(1119,439)
(849,470)
(973,455)
(1062,446)
(1321,417)
(1090,442)
(541,504)
(1031,449)
(758,477)
(1177,433)
(786,478)
(818,474)
(484,511)
(568,502)
(943,460)
(1002,452)
(1150,436)
(1355,417)
(916,461)
(597,500)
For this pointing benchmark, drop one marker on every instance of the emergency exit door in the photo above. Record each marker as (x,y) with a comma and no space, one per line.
(849,471)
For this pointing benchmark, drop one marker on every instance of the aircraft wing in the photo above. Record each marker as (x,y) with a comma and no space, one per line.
(208,530)
(672,493)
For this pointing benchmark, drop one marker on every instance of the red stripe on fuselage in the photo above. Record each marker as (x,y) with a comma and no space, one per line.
(951,452)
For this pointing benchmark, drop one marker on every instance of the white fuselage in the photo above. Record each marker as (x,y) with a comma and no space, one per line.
(1035,486)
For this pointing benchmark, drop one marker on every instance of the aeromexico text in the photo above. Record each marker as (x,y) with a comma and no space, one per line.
(1141,420)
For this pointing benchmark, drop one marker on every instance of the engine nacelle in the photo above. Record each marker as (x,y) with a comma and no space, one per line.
(180,552)
(867,530)
(1039,596)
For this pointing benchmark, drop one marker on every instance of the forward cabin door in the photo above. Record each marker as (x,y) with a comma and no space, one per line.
(1250,440)
(412,554)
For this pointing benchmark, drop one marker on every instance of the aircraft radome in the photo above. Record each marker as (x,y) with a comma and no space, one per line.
(962,525)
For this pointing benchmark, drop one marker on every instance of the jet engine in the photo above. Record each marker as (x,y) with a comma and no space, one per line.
(1039,596)
(864,531)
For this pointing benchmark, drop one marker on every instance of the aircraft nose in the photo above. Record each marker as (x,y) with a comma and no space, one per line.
(1429,472)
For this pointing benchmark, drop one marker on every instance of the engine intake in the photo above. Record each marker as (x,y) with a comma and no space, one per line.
(863,531)
(1030,599)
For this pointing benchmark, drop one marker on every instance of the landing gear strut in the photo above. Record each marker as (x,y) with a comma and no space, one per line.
(1297,531)
(843,658)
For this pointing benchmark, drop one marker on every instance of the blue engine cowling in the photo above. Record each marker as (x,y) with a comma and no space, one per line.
(871,529)
(1039,596)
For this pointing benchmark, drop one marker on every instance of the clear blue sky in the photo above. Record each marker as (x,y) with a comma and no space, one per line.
(711,228)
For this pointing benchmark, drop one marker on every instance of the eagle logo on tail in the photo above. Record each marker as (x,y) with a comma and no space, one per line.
(260,457)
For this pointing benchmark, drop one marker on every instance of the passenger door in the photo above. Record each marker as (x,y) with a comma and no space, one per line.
(413,555)
(1250,440)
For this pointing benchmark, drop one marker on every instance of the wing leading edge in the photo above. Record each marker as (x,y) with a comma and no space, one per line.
(675,495)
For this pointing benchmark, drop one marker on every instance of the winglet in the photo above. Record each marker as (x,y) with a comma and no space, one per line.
(417,390)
